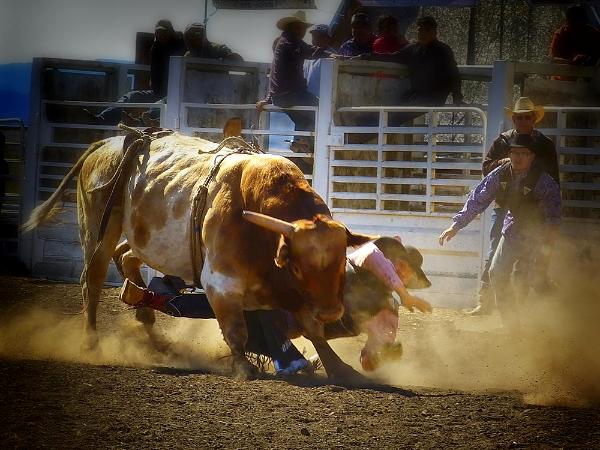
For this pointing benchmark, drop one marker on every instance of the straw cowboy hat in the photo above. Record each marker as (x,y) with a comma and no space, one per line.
(298,17)
(525,105)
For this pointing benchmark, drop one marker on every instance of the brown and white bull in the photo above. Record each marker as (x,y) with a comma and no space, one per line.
(291,258)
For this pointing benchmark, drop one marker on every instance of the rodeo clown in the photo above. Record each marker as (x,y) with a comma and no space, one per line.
(374,272)
(532,198)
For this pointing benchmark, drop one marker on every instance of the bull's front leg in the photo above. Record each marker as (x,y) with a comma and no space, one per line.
(336,369)
(230,316)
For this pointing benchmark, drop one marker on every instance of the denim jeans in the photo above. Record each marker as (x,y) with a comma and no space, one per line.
(266,329)
(509,275)
(303,120)
(497,219)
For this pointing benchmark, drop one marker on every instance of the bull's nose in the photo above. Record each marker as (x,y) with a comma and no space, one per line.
(331,315)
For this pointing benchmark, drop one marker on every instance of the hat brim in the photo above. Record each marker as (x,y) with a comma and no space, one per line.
(285,22)
(419,275)
(537,110)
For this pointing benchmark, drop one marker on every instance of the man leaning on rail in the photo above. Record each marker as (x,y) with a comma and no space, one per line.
(525,115)
(531,198)
(287,85)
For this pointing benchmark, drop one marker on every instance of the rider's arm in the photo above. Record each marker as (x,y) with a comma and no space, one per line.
(369,257)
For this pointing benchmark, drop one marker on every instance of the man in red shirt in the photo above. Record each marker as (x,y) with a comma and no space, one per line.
(388,40)
(576,42)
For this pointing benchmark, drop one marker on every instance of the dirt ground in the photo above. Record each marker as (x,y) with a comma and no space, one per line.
(462,383)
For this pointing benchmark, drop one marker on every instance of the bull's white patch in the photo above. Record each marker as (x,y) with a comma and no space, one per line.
(223,284)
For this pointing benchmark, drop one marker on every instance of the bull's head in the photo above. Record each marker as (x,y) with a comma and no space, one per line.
(314,253)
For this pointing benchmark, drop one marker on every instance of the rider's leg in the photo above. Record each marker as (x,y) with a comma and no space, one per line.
(267,337)
(191,305)
(486,303)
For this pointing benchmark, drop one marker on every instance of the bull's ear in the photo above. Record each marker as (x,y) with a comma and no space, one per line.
(282,256)
(356,239)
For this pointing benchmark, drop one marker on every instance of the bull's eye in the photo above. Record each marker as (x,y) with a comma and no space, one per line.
(296,271)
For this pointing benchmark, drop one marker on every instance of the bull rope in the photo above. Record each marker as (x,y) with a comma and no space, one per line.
(201,195)
(143,138)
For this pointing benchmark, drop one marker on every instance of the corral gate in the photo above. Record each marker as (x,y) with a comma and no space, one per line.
(60,130)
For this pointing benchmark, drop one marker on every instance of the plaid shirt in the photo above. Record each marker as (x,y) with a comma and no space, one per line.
(546,191)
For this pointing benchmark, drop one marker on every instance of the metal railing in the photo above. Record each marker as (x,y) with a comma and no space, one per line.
(61,142)
(576,133)
(10,204)
(262,133)
(427,168)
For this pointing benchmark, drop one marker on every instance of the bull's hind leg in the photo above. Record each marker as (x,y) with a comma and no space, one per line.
(96,260)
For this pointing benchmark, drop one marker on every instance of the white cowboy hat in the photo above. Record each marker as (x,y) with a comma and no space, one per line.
(525,105)
(298,17)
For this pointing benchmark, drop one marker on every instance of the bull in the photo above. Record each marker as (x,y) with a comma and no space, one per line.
(289,254)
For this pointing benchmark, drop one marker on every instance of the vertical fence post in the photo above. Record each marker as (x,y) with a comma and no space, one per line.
(175,92)
(123,85)
(30,183)
(263,119)
(500,96)
(327,94)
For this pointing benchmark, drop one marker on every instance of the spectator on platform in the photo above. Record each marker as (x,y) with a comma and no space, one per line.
(431,68)
(432,71)
(167,43)
(198,45)
(362,38)
(389,39)
(576,42)
(287,86)
(321,38)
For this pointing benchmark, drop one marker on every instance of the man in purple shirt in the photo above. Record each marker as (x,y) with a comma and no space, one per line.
(525,115)
(362,37)
(532,198)
(287,86)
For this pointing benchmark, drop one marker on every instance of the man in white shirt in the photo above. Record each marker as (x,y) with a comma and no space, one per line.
(321,37)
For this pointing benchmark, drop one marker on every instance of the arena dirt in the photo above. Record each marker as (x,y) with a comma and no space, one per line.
(462,382)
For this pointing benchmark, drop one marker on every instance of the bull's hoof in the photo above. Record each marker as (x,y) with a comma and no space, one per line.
(347,375)
(146,316)
(243,370)
(159,342)
(90,343)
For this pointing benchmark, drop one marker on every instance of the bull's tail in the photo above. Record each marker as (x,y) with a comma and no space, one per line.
(50,208)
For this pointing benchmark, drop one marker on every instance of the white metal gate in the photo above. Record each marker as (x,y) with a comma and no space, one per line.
(409,180)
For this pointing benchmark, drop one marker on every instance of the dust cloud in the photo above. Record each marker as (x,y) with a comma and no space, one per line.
(554,358)
(48,334)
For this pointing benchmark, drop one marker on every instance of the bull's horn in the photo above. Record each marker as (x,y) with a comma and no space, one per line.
(271,223)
